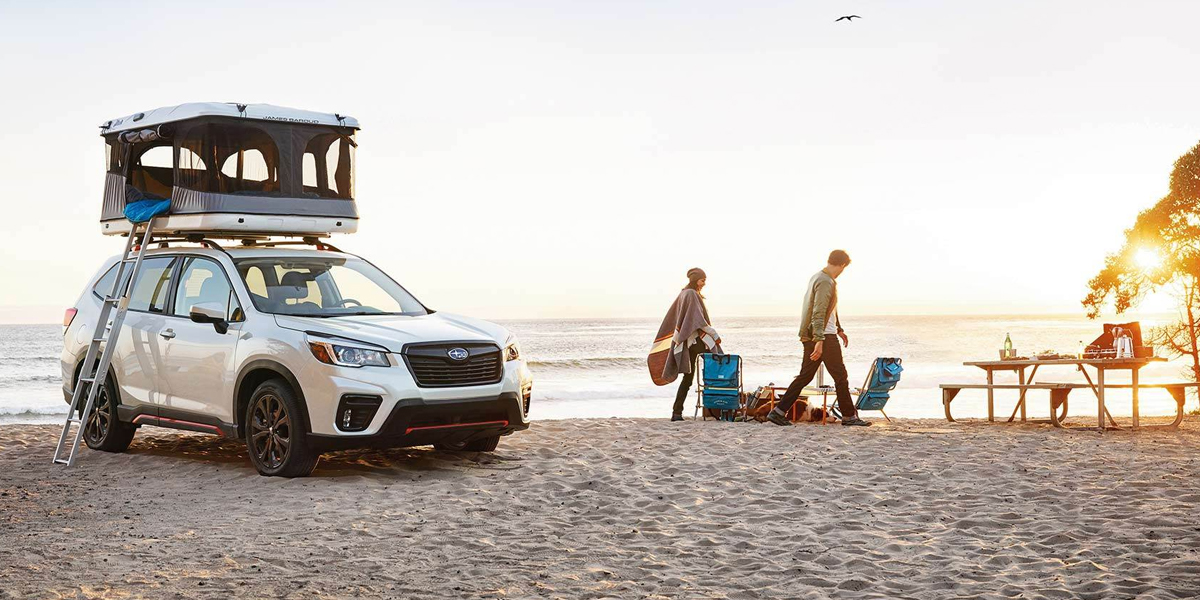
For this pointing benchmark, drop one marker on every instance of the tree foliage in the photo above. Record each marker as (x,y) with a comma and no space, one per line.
(1171,229)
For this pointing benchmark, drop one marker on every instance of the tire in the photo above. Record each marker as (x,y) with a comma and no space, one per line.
(275,434)
(103,430)
(487,444)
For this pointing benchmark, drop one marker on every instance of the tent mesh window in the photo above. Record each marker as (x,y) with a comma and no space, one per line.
(222,158)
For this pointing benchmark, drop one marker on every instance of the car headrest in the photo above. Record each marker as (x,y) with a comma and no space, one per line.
(294,285)
(213,290)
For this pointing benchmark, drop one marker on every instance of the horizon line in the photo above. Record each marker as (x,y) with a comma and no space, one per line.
(872,315)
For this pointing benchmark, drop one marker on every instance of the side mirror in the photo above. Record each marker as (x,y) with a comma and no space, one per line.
(210,312)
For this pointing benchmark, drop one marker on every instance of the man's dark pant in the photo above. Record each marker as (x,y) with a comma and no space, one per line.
(831,355)
(685,385)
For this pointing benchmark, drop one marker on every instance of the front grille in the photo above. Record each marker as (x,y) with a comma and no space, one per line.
(431,365)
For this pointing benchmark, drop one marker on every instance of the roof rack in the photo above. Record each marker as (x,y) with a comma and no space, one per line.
(304,241)
(197,238)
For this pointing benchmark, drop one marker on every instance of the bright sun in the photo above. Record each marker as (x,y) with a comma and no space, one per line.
(1147,259)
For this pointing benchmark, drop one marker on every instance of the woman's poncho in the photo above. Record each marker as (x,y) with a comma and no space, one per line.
(686,323)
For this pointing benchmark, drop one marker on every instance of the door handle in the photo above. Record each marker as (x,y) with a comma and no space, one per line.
(167,334)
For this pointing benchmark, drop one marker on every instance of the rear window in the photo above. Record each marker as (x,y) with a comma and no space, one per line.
(104,285)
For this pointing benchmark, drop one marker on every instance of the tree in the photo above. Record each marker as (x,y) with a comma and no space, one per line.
(1171,230)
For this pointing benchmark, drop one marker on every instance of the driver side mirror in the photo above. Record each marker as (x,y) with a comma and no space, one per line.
(210,312)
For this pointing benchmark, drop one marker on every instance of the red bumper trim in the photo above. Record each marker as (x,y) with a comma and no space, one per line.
(454,425)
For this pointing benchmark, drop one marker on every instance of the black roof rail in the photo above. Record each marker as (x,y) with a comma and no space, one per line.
(304,241)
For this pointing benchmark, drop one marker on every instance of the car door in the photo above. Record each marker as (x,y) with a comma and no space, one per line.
(138,356)
(200,360)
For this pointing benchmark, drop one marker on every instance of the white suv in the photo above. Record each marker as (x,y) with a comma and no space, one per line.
(295,351)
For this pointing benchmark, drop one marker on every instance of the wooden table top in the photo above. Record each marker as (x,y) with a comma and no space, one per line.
(1107,363)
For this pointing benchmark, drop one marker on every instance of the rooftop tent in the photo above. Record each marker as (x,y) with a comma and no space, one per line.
(236,169)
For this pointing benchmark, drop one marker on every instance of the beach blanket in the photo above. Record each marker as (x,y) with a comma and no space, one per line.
(144,210)
(686,324)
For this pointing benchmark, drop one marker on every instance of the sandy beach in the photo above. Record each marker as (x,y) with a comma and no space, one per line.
(618,508)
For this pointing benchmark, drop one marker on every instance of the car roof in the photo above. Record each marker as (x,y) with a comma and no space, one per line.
(237,253)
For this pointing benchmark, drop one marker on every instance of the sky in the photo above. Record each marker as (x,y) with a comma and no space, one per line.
(574,159)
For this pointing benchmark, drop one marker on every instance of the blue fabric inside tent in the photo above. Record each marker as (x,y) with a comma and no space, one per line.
(144,210)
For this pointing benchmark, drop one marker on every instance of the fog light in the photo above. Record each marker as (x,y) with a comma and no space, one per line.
(355,413)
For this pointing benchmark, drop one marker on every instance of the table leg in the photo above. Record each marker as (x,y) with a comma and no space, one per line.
(991,400)
(1022,400)
(1135,398)
(1020,407)
(1100,395)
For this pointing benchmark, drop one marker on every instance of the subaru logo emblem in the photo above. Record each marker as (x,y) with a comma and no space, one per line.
(458,354)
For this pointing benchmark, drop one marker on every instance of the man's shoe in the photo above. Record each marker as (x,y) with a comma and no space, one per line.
(855,422)
(779,418)
(676,417)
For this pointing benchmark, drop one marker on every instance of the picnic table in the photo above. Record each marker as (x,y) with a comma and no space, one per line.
(1060,391)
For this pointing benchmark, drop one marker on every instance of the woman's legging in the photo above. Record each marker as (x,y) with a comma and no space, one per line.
(685,385)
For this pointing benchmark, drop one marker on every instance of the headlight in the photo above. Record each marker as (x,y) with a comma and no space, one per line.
(341,355)
(512,349)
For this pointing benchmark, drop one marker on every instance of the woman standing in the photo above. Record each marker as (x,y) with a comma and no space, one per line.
(685,333)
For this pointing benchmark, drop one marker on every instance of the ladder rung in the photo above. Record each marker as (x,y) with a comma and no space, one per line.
(100,339)
(74,420)
(88,379)
(113,300)
(61,461)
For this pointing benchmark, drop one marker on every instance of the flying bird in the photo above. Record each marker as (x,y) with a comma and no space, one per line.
(847,18)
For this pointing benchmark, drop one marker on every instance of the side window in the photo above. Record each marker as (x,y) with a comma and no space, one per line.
(104,285)
(203,281)
(150,287)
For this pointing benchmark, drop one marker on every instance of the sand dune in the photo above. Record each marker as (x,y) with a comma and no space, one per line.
(621,509)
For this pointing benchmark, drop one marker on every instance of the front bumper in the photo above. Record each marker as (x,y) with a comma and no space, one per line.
(420,422)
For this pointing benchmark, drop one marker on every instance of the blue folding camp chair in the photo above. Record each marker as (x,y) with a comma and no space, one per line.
(874,394)
(720,386)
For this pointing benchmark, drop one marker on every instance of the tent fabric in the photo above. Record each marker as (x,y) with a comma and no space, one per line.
(144,210)
(193,202)
(114,197)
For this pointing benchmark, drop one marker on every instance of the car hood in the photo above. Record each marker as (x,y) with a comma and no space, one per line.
(394,331)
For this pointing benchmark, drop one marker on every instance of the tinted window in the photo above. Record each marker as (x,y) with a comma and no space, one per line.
(104,285)
(203,281)
(150,287)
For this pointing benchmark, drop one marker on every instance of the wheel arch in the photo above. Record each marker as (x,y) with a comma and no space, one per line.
(252,375)
(112,374)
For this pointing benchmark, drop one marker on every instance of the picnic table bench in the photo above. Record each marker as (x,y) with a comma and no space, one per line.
(1059,392)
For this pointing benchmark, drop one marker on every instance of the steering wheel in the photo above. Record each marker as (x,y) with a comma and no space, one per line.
(342,304)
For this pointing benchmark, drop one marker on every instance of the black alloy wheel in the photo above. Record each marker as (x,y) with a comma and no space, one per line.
(102,430)
(271,431)
(275,433)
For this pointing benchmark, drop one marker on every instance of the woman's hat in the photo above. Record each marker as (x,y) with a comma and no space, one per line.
(696,274)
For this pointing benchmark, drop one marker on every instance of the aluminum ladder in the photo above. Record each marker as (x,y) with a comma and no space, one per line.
(83,399)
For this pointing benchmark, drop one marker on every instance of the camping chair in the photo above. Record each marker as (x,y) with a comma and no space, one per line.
(874,394)
(720,386)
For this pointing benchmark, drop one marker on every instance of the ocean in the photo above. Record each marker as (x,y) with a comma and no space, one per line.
(587,368)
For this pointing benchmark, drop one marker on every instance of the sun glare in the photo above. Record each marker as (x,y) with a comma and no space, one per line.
(1147,259)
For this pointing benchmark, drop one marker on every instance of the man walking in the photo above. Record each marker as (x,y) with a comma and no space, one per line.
(819,332)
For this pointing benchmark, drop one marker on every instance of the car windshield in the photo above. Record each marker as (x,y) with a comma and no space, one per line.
(324,287)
